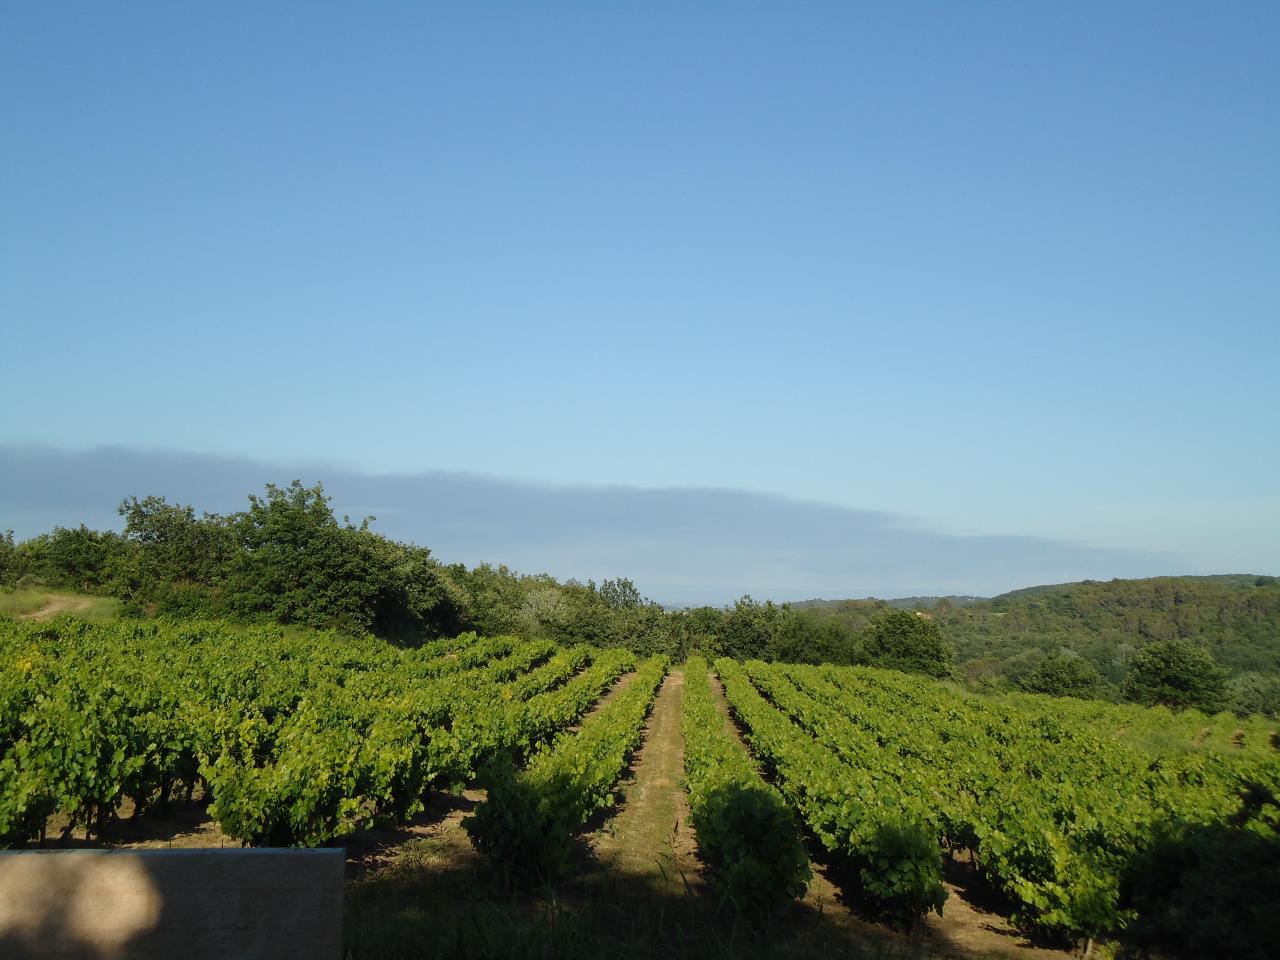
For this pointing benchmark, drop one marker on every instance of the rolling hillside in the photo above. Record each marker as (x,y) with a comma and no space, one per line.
(1237,616)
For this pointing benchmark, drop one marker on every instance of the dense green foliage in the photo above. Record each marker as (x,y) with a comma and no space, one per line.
(296,738)
(1071,810)
(1064,675)
(911,642)
(287,559)
(747,836)
(528,820)
(1176,674)
(1196,890)
(1237,619)
(884,837)
(1255,693)
(1001,644)
(7,551)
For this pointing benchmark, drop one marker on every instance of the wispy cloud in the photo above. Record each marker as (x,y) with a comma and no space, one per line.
(678,545)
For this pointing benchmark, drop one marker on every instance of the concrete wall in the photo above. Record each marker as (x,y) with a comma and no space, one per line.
(171,904)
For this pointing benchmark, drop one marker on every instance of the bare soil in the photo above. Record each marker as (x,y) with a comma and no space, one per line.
(435,835)
(57,605)
(183,827)
(651,836)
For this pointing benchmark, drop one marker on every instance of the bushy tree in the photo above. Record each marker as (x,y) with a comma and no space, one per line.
(1064,675)
(7,550)
(73,557)
(176,563)
(297,564)
(490,598)
(697,630)
(749,628)
(647,629)
(903,640)
(1255,693)
(415,595)
(802,636)
(1177,674)
(620,594)
(175,544)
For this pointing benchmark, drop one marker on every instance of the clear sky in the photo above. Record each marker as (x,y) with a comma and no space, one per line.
(994,269)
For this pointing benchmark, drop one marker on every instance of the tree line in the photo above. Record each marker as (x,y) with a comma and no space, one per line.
(287,558)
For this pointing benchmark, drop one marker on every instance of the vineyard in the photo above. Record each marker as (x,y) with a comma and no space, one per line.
(1086,821)
(1055,801)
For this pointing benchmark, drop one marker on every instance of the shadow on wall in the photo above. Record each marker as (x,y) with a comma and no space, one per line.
(109,905)
(70,905)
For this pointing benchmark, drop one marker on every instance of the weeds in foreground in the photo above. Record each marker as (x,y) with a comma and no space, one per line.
(445,902)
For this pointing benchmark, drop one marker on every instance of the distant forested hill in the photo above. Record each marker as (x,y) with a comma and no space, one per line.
(898,603)
(1236,616)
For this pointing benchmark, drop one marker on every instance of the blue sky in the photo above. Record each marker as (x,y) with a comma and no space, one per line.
(991,269)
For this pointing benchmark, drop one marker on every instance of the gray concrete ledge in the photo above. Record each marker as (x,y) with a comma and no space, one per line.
(185,904)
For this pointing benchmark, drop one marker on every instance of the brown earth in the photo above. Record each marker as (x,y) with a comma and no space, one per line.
(651,836)
(435,836)
(57,605)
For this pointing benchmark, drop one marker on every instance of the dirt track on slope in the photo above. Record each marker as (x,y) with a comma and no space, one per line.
(57,605)
(651,836)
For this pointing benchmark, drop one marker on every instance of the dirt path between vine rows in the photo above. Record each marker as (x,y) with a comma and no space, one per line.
(609,696)
(651,837)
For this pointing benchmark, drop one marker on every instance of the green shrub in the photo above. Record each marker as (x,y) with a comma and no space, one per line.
(748,837)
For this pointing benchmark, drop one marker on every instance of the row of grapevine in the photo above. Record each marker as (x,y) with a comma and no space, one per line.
(1054,810)
(887,838)
(530,816)
(360,762)
(341,761)
(1064,810)
(296,739)
(544,716)
(556,671)
(339,764)
(1150,728)
(747,835)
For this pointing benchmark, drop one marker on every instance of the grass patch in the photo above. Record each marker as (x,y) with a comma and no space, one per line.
(38,603)
(17,602)
(437,903)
